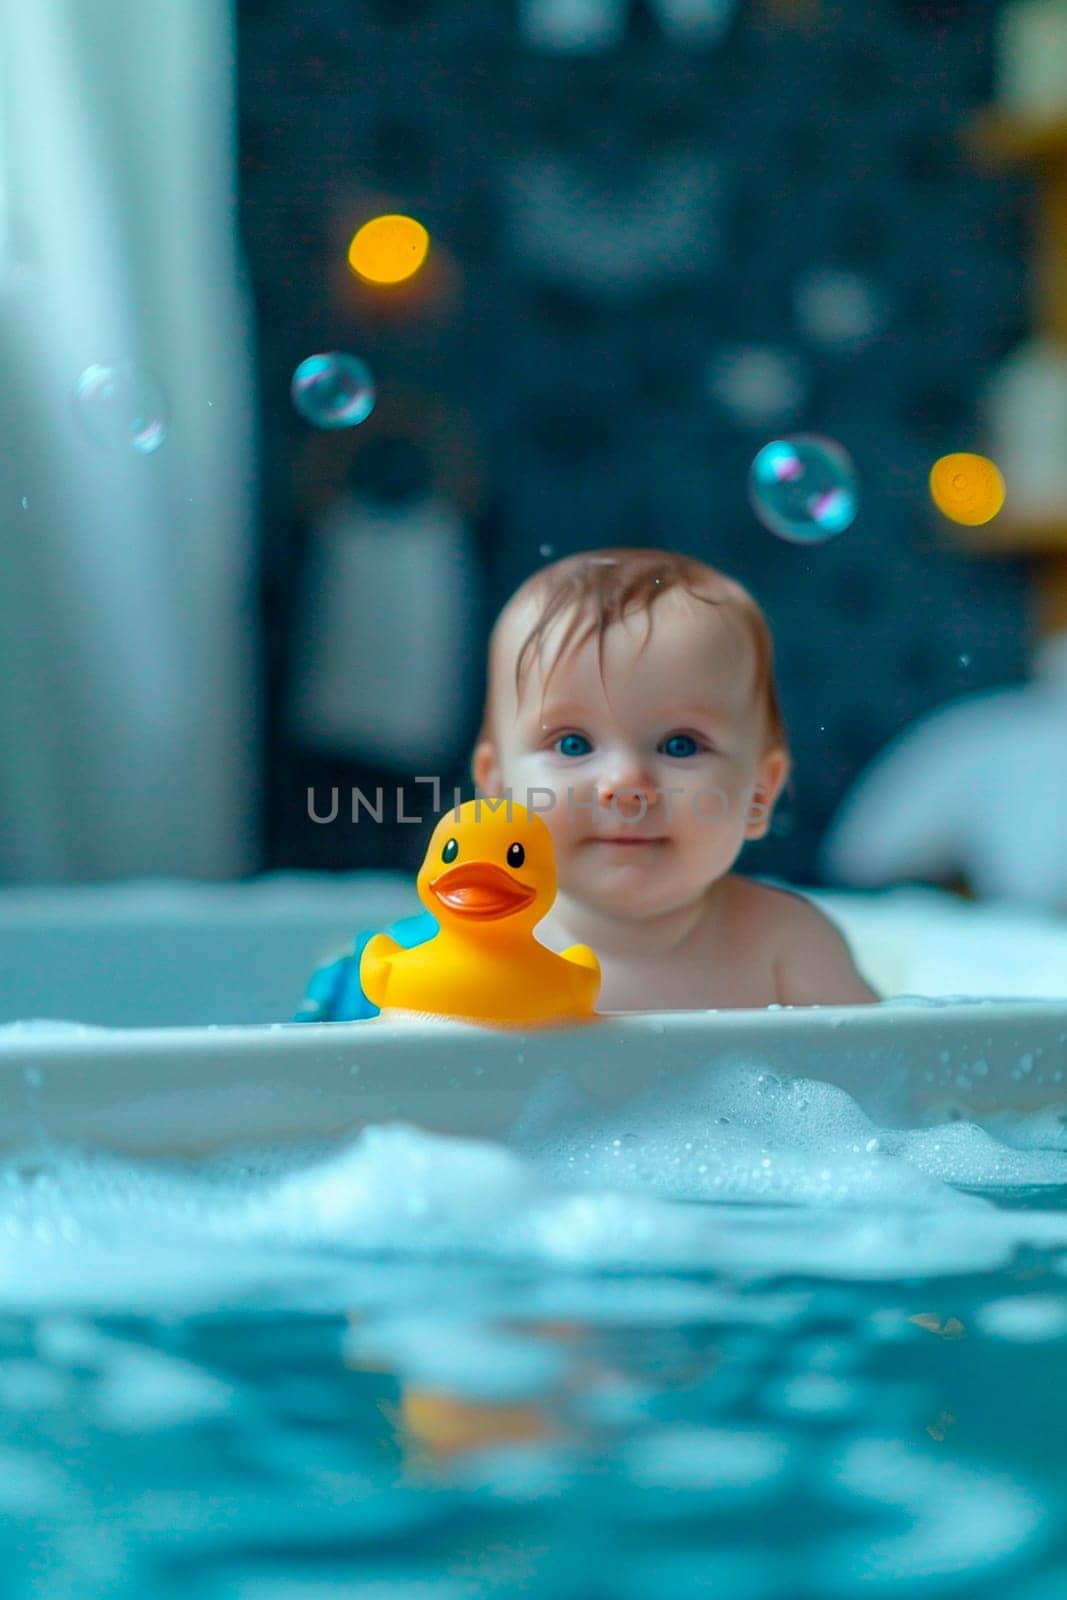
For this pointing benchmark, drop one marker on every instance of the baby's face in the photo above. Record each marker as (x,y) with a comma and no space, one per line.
(654,770)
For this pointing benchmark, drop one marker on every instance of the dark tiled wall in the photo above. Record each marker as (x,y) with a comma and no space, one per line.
(791,162)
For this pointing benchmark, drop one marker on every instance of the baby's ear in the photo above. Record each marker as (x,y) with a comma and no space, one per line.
(485,768)
(773,772)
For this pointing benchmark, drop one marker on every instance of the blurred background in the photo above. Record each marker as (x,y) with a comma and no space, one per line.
(660,234)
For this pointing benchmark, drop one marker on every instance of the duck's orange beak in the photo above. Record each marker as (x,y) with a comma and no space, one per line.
(478,889)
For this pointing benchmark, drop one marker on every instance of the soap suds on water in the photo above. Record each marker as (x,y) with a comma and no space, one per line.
(803,1183)
(688,1313)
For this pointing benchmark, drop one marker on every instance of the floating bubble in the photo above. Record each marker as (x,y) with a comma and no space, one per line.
(388,249)
(804,488)
(967,489)
(121,406)
(547,551)
(333,390)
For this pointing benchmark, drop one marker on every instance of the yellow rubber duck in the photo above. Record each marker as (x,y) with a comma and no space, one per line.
(488,878)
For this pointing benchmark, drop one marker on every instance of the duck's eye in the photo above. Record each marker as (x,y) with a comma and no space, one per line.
(516,855)
(450,851)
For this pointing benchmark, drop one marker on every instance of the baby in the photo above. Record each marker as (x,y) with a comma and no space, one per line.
(631,701)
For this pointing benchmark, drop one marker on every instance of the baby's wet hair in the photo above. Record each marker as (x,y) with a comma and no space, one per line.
(597,588)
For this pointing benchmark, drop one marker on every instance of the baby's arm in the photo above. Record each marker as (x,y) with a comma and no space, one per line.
(814,965)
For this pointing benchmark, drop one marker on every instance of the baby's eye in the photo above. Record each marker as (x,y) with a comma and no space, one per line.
(680,744)
(573,744)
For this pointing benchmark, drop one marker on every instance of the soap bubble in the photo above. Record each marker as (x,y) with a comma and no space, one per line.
(804,488)
(121,406)
(333,390)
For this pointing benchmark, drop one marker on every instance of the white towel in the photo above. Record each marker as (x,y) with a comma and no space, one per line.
(387,642)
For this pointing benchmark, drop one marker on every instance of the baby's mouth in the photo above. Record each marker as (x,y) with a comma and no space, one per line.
(626,839)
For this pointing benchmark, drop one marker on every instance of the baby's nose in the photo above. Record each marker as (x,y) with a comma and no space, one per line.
(629,791)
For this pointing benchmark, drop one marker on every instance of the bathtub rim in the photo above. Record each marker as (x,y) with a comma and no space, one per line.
(197,1091)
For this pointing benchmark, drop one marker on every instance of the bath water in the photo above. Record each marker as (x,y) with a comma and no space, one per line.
(740,1341)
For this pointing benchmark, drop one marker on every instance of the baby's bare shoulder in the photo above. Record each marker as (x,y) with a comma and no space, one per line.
(812,960)
(768,907)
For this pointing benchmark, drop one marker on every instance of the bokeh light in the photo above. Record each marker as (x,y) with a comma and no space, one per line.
(758,386)
(333,390)
(838,309)
(388,249)
(966,488)
(804,488)
(120,406)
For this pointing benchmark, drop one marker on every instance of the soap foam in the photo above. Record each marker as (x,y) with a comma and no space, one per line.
(804,1183)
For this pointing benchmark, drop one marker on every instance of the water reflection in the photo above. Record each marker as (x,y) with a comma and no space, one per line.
(415,1361)
(781,1439)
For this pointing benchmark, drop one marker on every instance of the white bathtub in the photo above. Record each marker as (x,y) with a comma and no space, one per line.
(186,991)
(171,953)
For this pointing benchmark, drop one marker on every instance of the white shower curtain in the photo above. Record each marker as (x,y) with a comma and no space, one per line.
(129,715)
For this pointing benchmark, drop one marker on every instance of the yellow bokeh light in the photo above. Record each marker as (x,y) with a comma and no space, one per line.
(388,249)
(967,489)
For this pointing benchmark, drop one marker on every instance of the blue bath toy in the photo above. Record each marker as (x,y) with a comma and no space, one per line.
(334,992)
